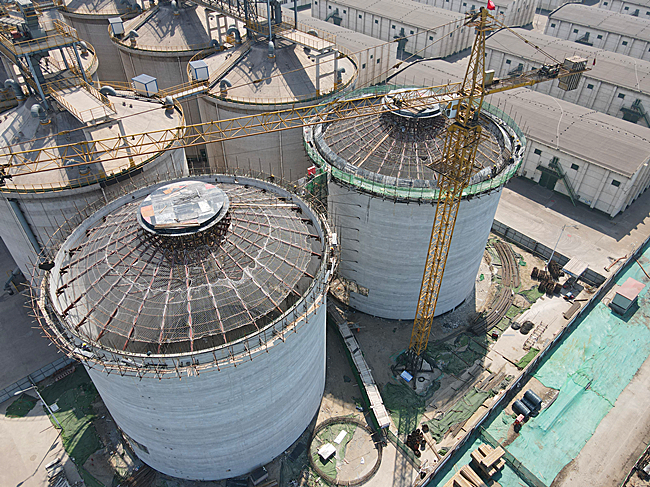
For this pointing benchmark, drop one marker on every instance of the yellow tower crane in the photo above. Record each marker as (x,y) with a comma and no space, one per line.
(459,155)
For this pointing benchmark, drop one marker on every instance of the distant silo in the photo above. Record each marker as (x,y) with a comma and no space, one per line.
(382,198)
(255,78)
(219,282)
(161,41)
(40,197)
(91,20)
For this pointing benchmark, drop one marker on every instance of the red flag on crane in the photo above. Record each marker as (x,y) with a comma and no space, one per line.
(491,5)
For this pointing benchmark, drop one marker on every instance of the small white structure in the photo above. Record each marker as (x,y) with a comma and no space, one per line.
(326,452)
(424,30)
(637,8)
(513,13)
(626,296)
(616,84)
(145,85)
(200,71)
(117,26)
(601,29)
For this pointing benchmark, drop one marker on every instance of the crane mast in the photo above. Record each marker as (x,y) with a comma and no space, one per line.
(459,153)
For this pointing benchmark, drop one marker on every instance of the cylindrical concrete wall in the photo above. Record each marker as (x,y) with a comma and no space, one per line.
(91,22)
(286,81)
(214,412)
(223,423)
(46,201)
(384,247)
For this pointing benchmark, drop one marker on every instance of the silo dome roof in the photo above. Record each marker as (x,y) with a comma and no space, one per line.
(124,287)
(398,146)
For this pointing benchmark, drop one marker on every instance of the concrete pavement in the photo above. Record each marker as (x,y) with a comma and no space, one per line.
(23,348)
(28,445)
(590,235)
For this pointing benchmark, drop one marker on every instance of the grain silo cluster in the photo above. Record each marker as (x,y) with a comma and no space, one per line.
(196,297)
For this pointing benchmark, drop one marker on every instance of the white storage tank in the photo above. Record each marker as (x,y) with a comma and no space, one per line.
(198,308)
(254,78)
(33,205)
(382,199)
(160,43)
(91,20)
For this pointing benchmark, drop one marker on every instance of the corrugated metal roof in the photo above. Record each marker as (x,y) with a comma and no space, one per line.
(602,140)
(345,37)
(602,19)
(611,67)
(405,11)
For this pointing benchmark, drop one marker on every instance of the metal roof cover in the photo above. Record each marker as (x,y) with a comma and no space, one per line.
(183,207)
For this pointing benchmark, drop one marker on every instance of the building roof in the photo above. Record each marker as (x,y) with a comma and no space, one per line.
(125,289)
(351,40)
(406,11)
(630,289)
(19,128)
(162,29)
(98,7)
(611,67)
(598,18)
(595,137)
(288,78)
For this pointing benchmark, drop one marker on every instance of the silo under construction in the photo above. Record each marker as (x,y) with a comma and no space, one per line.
(44,184)
(382,194)
(296,69)
(91,20)
(198,308)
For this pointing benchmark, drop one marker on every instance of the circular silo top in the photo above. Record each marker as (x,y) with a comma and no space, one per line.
(120,286)
(402,144)
(400,102)
(183,208)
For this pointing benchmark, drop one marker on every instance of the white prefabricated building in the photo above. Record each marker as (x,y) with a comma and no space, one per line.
(604,159)
(426,31)
(615,84)
(601,29)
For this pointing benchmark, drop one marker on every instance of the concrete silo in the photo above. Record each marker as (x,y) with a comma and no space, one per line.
(254,78)
(382,198)
(217,281)
(161,41)
(42,196)
(90,19)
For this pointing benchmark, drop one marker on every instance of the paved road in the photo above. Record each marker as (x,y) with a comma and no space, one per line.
(590,235)
(23,349)
(28,445)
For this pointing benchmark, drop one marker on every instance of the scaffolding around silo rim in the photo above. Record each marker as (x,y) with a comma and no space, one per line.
(177,365)
(402,189)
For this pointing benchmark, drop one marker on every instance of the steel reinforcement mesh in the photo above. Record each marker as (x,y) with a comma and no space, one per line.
(398,147)
(127,290)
